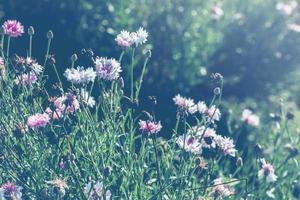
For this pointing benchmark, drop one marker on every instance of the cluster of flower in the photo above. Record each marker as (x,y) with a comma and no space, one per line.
(188,106)
(29,69)
(199,138)
(126,39)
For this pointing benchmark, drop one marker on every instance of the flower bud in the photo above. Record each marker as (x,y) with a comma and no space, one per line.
(217,91)
(293,151)
(50,35)
(258,150)
(31,31)
(20,130)
(74,57)
(290,116)
(106,171)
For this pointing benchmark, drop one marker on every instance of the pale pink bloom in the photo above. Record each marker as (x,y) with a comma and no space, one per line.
(1,61)
(73,106)
(96,191)
(150,127)
(226,145)
(222,190)
(213,113)
(107,69)
(217,12)
(267,171)
(202,108)
(59,103)
(10,191)
(13,28)
(189,143)
(38,120)
(26,79)
(286,8)
(250,118)
(186,105)
(124,39)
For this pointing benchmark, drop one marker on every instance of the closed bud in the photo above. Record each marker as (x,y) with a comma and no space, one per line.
(50,35)
(74,57)
(293,151)
(258,150)
(107,171)
(30,31)
(290,116)
(217,91)
(20,131)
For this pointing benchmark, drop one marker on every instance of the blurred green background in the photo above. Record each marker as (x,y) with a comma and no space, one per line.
(253,44)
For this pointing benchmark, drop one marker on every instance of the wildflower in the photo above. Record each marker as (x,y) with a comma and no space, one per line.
(95,192)
(226,145)
(267,171)
(286,8)
(124,39)
(250,118)
(10,191)
(107,69)
(87,99)
(201,106)
(150,127)
(189,143)
(26,79)
(38,120)
(222,190)
(140,36)
(213,113)
(208,135)
(59,186)
(80,75)
(217,12)
(13,28)
(185,105)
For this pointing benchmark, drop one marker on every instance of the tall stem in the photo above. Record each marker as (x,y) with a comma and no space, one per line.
(8,46)
(131,75)
(30,45)
(157,165)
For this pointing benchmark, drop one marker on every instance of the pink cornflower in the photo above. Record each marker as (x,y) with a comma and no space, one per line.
(13,28)
(26,79)
(267,171)
(10,191)
(56,114)
(38,120)
(189,143)
(226,145)
(150,127)
(213,113)
(186,105)
(124,39)
(1,61)
(222,190)
(202,108)
(250,118)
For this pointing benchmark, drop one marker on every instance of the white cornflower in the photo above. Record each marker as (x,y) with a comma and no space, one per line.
(213,113)
(107,69)
(267,171)
(80,75)
(124,39)
(226,145)
(140,36)
(189,144)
